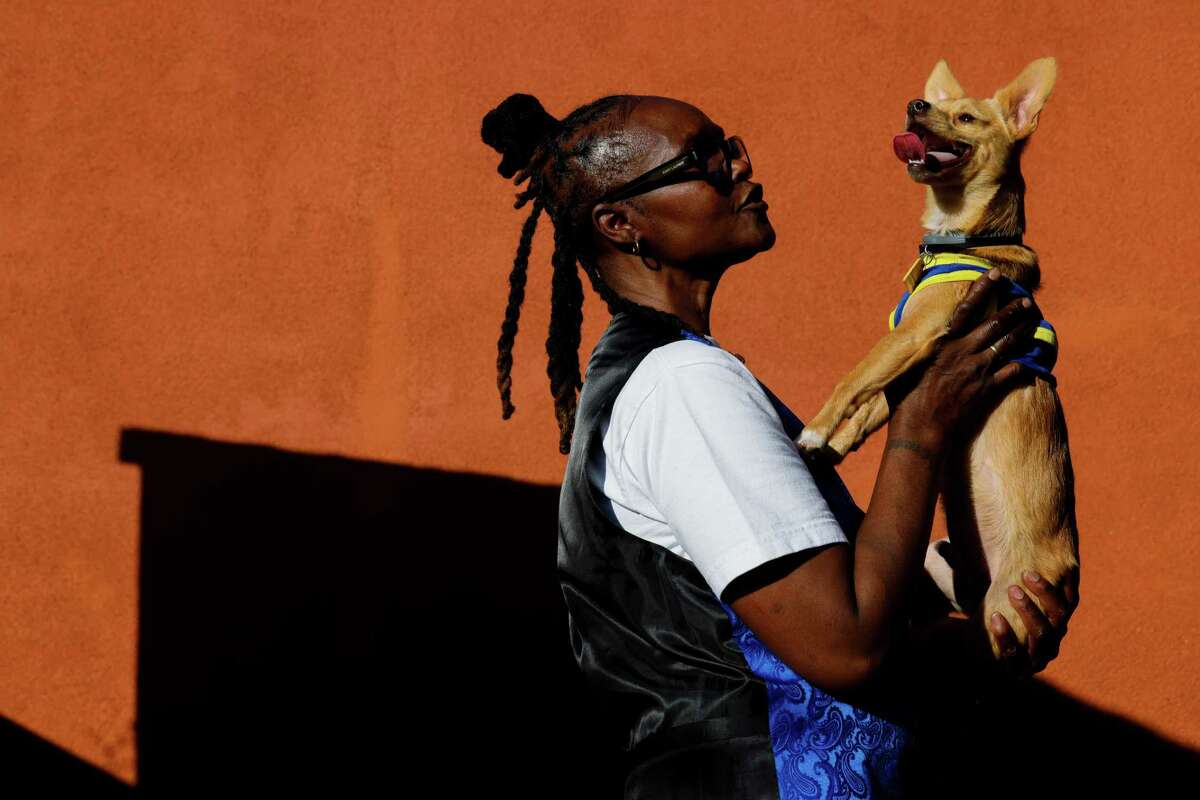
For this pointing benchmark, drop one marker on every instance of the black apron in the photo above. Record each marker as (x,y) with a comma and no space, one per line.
(652,640)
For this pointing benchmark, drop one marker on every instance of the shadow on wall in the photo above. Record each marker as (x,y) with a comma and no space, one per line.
(319,623)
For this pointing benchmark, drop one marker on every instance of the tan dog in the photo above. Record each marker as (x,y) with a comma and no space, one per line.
(1008,486)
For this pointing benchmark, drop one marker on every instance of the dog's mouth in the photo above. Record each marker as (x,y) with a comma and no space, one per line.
(921,147)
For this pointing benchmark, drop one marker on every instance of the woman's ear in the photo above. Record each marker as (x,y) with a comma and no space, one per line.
(613,223)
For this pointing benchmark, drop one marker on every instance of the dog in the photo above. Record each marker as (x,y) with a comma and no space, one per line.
(1007,485)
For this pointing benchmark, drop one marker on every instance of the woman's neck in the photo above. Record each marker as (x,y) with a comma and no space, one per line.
(675,291)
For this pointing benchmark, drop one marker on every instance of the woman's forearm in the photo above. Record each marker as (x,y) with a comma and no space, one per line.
(890,582)
(889,549)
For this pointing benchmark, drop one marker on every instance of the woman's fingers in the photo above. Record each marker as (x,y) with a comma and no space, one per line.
(1008,320)
(999,382)
(970,308)
(1008,375)
(1053,601)
(1019,334)
(1042,635)
(1014,372)
(1014,660)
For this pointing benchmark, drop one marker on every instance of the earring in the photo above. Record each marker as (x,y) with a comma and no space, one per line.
(652,264)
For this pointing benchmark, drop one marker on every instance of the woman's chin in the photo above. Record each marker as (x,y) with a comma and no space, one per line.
(770,238)
(764,242)
(767,239)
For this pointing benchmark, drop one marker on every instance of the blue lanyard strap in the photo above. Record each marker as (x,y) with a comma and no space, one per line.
(694,337)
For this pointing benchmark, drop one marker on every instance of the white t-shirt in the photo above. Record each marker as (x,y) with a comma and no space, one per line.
(696,459)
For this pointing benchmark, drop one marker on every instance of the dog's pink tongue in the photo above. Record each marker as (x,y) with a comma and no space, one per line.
(908,147)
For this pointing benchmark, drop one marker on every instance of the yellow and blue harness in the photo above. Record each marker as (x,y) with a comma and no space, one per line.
(1042,351)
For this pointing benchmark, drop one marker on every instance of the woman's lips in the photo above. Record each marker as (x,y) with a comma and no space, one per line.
(758,204)
(755,195)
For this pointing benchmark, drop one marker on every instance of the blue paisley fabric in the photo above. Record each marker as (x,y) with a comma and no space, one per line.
(824,748)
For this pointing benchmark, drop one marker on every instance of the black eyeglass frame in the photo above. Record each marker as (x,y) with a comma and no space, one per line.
(696,155)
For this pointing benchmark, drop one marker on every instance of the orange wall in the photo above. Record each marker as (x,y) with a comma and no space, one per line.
(276,223)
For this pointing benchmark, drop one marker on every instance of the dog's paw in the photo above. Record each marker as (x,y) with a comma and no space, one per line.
(816,449)
(812,440)
(842,444)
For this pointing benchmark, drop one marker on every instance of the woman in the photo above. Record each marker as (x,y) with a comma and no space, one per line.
(753,633)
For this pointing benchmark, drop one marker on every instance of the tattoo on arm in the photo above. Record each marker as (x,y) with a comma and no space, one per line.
(905,444)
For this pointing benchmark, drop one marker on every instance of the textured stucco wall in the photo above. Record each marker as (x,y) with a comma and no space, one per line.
(275,223)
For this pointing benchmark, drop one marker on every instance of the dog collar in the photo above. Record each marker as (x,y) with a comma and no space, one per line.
(941,242)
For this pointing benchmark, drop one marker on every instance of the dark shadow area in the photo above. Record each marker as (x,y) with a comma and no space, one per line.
(30,766)
(322,623)
(329,625)
(1036,741)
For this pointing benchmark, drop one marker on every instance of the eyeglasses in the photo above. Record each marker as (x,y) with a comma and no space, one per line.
(714,158)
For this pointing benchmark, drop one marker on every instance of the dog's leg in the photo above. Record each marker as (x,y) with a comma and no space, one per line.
(866,420)
(892,356)
(1022,495)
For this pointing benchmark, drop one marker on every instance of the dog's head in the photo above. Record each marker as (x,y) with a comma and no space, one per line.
(954,140)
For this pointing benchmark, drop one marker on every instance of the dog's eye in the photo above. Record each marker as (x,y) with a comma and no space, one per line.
(965,118)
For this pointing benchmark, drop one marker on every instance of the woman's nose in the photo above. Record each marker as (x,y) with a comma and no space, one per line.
(740,169)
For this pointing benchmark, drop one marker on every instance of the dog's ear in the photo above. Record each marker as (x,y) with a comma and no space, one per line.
(942,84)
(1022,100)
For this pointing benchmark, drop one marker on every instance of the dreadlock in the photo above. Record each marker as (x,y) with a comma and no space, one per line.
(569,165)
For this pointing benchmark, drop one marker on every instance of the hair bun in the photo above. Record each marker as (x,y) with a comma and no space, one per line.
(515,128)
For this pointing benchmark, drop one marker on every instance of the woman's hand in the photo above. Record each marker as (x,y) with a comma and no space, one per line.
(937,396)
(1046,630)
(962,645)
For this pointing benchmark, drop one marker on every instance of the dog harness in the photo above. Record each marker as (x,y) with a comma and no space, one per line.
(1039,355)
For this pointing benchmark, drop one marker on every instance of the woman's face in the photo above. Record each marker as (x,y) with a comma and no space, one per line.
(692,224)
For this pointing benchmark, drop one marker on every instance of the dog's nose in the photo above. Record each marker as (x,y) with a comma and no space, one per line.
(917,107)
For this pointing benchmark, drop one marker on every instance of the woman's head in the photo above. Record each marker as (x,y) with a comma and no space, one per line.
(687,225)
(691,220)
